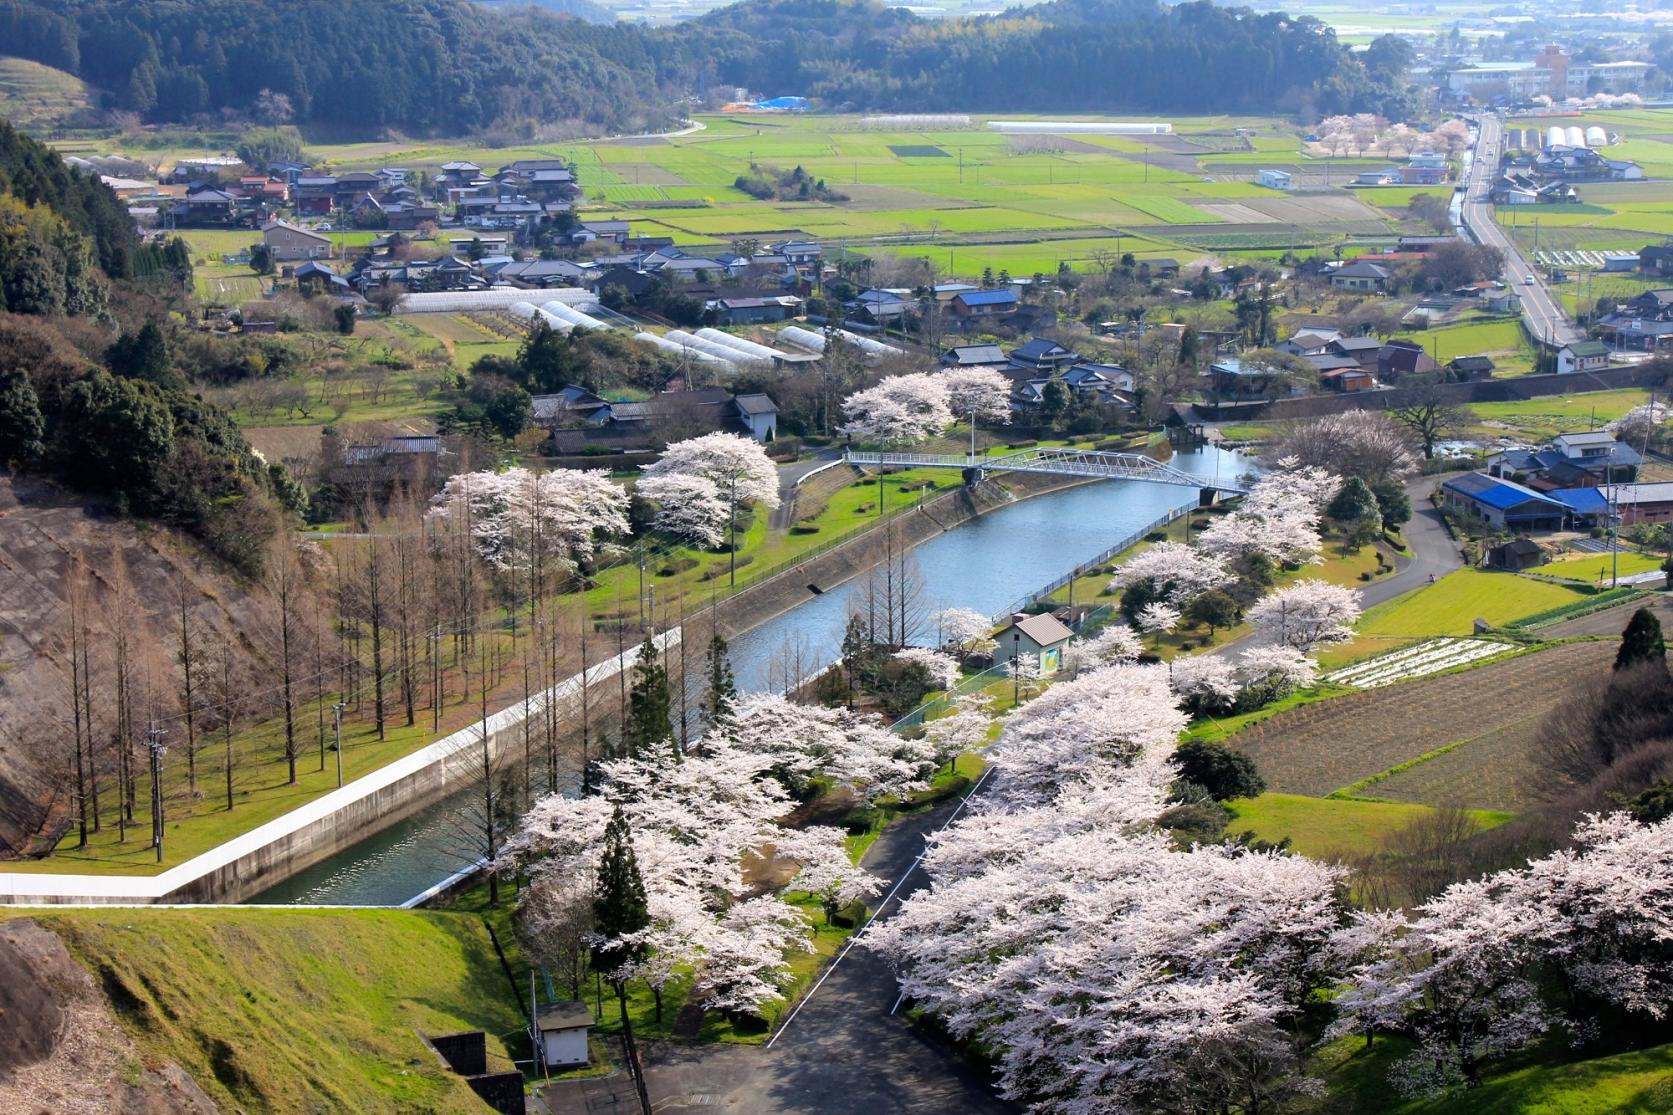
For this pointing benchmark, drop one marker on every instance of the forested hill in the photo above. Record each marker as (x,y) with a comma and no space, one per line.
(452,67)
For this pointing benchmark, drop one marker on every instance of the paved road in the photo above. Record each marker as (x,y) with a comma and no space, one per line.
(788,477)
(1544,314)
(842,1054)
(1434,553)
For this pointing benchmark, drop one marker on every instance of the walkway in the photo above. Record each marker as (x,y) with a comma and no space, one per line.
(842,1054)
(1089,463)
(791,475)
(1434,553)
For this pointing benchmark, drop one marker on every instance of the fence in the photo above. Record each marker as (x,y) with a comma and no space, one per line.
(940,703)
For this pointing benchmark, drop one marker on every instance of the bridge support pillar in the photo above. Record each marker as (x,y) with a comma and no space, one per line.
(974,476)
(1208,497)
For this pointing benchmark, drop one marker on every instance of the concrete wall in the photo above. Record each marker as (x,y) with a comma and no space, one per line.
(1474,391)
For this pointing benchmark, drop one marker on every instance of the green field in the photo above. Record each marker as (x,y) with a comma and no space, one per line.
(1544,418)
(1451,605)
(34,95)
(1504,340)
(1323,827)
(300,1010)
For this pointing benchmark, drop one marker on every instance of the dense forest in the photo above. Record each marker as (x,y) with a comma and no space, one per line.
(92,390)
(452,67)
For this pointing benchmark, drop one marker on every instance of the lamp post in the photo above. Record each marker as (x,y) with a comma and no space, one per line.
(154,744)
(1016,662)
(337,728)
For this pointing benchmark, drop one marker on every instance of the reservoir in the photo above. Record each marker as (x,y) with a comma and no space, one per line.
(987,564)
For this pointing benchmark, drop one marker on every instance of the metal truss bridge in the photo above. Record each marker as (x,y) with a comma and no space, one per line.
(1090,463)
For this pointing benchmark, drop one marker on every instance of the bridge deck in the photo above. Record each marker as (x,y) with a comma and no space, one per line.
(1057,462)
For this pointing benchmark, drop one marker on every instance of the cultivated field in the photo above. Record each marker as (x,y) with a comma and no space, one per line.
(1612,215)
(34,95)
(1344,742)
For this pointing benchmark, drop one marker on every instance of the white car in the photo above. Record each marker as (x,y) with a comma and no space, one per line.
(1528,281)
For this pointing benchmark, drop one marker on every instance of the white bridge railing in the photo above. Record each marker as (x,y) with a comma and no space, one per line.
(1059,462)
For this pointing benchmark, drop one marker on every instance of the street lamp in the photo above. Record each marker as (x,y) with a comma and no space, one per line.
(154,744)
(337,727)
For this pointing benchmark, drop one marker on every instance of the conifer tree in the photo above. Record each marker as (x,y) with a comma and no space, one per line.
(721,696)
(648,721)
(620,913)
(1642,641)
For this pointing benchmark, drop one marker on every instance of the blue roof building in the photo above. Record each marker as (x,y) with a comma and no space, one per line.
(1504,504)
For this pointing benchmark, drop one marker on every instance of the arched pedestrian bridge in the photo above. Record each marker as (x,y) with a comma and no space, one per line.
(1089,463)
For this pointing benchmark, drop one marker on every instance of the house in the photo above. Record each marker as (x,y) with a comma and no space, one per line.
(1582,356)
(882,307)
(1576,460)
(1503,504)
(798,253)
(1039,640)
(1471,367)
(1366,350)
(1308,342)
(1276,179)
(563,1034)
(316,195)
(617,231)
(569,406)
(542,273)
(320,277)
(974,356)
(982,303)
(1233,377)
(1403,358)
(1642,503)
(206,208)
(759,415)
(1361,276)
(287,242)
(1161,268)
(1347,380)
(411,459)
(1098,379)
(753,311)
(1043,355)
(1517,555)
(1422,175)
(1655,259)
(1588,507)
(409,215)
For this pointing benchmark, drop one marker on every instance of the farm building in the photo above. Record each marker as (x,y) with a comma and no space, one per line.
(1041,639)
(1276,179)
(1516,556)
(1503,504)
(1642,503)
(1583,356)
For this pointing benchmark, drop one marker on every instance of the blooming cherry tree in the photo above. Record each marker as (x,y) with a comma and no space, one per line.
(520,520)
(1158,618)
(981,393)
(965,628)
(1273,671)
(941,668)
(688,506)
(733,463)
(1178,572)
(900,410)
(1206,681)
(1114,645)
(1306,615)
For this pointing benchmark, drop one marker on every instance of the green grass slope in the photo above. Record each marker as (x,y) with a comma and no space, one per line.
(32,94)
(299,1010)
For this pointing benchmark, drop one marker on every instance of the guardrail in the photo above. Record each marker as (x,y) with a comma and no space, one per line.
(1086,567)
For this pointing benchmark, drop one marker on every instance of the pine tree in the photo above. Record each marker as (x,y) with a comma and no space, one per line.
(721,695)
(620,911)
(1641,641)
(22,427)
(648,722)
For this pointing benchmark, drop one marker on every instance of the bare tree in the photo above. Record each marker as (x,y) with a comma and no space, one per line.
(284,580)
(1430,416)
(186,655)
(228,701)
(122,618)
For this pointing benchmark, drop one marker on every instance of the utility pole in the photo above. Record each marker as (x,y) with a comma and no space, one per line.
(434,635)
(337,726)
(154,744)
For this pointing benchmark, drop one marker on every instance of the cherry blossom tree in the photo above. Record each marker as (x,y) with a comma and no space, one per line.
(519,519)
(979,393)
(1114,645)
(899,410)
(1207,682)
(1306,615)
(1158,618)
(737,466)
(801,742)
(965,628)
(1175,572)
(1279,517)
(688,506)
(1270,672)
(1368,444)
(941,668)
(964,729)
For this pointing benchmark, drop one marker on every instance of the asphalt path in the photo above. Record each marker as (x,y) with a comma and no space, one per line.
(1433,552)
(1544,314)
(845,1051)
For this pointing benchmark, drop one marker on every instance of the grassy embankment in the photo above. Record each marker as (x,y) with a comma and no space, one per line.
(299,1010)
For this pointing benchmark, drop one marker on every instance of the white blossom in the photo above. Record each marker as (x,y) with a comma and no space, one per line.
(1276,670)
(1158,618)
(979,391)
(688,506)
(518,518)
(964,628)
(942,670)
(1306,615)
(1179,572)
(1207,679)
(899,410)
(724,459)
(1114,645)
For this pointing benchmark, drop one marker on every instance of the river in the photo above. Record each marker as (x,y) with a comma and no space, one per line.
(986,564)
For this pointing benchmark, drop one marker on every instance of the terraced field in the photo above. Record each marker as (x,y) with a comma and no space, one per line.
(1493,712)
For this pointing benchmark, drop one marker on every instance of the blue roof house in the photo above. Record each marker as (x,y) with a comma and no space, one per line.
(982,303)
(1504,504)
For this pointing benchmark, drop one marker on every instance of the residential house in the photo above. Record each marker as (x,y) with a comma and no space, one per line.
(974,356)
(1587,507)
(1365,350)
(543,273)
(1398,359)
(409,215)
(983,303)
(882,307)
(1655,259)
(1582,356)
(1471,367)
(1043,355)
(753,311)
(569,406)
(1503,504)
(316,195)
(286,242)
(321,277)
(207,208)
(1576,460)
(1642,503)
(617,231)
(1310,341)
(798,253)
(670,416)
(1233,377)
(1038,640)
(1365,277)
